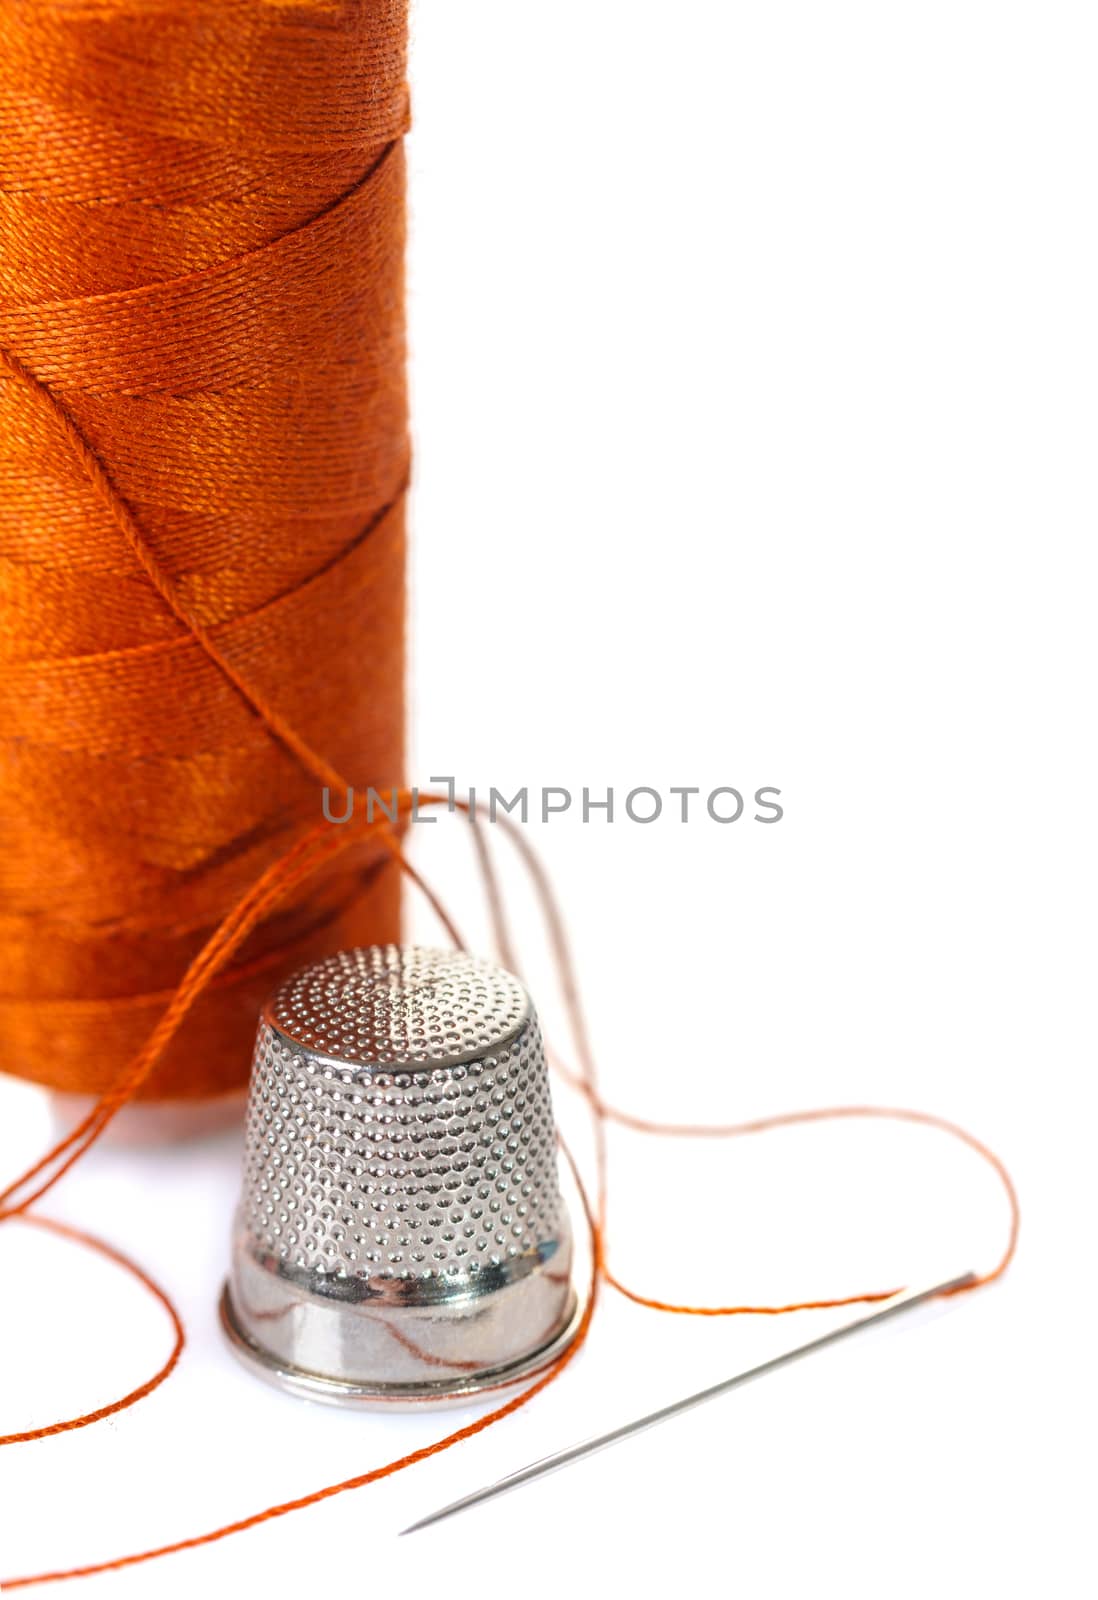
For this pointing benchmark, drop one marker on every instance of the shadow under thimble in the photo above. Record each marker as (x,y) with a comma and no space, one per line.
(401,1236)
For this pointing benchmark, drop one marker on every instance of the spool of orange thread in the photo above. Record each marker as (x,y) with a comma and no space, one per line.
(204,455)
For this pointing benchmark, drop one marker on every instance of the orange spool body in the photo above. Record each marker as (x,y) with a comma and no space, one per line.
(204,457)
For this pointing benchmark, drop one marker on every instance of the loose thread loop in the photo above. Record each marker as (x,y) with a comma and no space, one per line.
(101,1247)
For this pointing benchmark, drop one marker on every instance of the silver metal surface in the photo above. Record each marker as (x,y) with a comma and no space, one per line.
(576,1452)
(401,1236)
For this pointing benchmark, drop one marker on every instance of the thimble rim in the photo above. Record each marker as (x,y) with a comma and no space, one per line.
(338,1391)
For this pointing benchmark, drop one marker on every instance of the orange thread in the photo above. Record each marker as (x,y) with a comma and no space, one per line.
(314,850)
(66,1231)
(823,1114)
(602,1112)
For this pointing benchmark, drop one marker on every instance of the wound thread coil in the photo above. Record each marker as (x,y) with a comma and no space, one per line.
(204,457)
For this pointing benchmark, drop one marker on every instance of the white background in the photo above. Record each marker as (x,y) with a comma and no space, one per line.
(754,354)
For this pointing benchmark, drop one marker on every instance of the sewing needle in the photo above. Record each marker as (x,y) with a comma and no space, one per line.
(905,1301)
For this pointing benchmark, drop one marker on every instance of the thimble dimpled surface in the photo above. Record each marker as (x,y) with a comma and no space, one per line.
(401,1231)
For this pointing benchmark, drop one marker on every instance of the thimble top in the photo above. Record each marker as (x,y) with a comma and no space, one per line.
(386,1008)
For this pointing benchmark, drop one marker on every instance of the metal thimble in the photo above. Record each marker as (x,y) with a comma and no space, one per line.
(401,1235)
